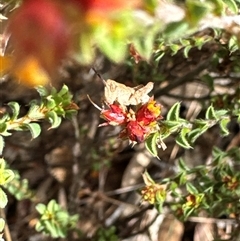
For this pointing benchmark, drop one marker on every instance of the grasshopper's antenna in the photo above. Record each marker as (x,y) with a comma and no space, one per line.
(100,77)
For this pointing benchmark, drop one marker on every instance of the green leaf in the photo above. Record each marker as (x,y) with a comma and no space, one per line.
(2,164)
(232,5)
(15,109)
(2,224)
(52,206)
(220,113)
(218,7)
(181,139)
(3,127)
(196,10)
(34,112)
(147,179)
(182,165)
(34,128)
(61,231)
(223,125)
(39,227)
(183,178)
(54,119)
(2,144)
(194,134)
(51,228)
(186,51)
(51,103)
(3,199)
(176,29)
(233,44)
(210,113)
(7,175)
(63,91)
(173,113)
(42,90)
(151,144)
(187,212)
(172,126)
(41,208)
(175,48)
(191,189)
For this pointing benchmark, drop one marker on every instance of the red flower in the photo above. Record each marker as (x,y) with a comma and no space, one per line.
(114,116)
(148,113)
(135,132)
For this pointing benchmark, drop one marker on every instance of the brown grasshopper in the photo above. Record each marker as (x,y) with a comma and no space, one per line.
(124,95)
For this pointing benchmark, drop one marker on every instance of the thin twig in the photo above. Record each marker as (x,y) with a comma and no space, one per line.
(183,79)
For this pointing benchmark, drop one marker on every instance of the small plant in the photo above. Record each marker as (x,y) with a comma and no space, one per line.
(106,234)
(53,107)
(54,220)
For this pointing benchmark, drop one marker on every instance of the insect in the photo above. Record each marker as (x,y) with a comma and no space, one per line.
(125,95)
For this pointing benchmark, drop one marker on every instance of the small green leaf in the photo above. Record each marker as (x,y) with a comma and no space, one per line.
(147,179)
(50,103)
(54,119)
(42,91)
(3,199)
(182,165)
(187,212)
(2,144)
(7,175)
(51,229)
(63,91)
(3,127)
(196,10)
(183,178)
(186,51)
(181,139)
(161,195)
(151,144)
(39,227)
(194,134)
(15,109)
(41,208)
(53,206)
(173,113)
(220,113)
(60,231)
(232,5)
(175,48)
(223,125)
(210,113)
(176,29)
(34,128)
(34,112)
(191,189)
(233,44)
(184,42)
(2,224)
